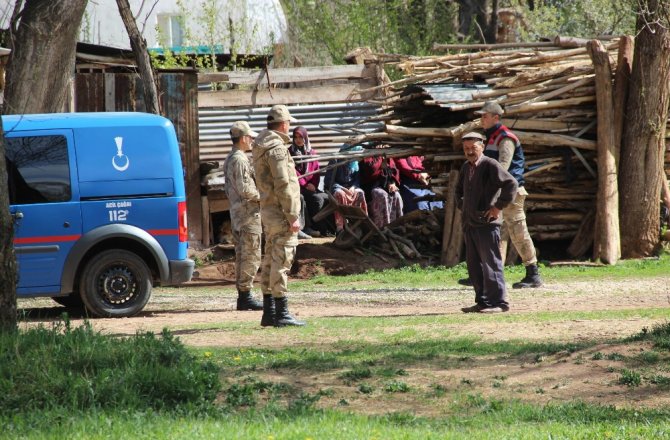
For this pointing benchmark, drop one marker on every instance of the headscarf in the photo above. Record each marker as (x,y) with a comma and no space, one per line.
(295,150)
(353,165)
(302,131)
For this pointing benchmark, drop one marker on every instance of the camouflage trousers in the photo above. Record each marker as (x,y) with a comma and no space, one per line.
(277,261)
(247,258)
(514,227)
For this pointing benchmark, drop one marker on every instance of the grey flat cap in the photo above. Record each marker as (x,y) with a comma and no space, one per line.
(473,135)
(491,107)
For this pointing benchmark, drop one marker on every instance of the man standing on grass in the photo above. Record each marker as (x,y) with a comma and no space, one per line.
(280,210)
(245,214)
(503,146)
(484,188)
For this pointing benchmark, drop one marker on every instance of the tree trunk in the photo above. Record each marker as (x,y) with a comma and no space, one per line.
(41,63)
(472,18)
(607,241)
(7,260)
(643,139)
(139,46)
(491,33)
(38,75)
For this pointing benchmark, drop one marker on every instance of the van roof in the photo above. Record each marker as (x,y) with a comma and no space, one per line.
(81,120)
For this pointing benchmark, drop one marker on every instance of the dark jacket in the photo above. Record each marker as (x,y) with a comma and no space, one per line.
(490,186)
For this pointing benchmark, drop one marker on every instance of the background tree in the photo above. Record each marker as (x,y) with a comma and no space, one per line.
(43,43)
(7,259)
(643,143)
(43,37)
(139,47)
(322,32)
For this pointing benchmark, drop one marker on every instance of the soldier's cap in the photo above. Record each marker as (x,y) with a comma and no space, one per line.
(473,135)
(280,113)
(241,128)
(491,107)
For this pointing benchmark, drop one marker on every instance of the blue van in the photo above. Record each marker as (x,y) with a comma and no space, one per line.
(99,208)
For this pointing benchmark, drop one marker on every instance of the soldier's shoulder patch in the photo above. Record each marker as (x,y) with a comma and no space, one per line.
(278,153)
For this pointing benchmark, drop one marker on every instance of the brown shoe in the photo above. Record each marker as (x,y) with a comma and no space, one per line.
(472,309)
(497,309)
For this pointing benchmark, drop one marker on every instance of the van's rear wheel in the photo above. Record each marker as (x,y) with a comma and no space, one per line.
(115,283)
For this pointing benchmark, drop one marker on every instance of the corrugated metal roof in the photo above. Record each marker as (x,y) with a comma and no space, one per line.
(214,124)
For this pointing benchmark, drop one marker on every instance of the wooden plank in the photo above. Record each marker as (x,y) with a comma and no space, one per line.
(289,75)
(265,97)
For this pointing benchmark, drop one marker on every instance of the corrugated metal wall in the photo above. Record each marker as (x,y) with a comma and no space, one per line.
(214,124)
(108,92)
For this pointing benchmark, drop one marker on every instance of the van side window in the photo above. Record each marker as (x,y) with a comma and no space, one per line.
(38,170)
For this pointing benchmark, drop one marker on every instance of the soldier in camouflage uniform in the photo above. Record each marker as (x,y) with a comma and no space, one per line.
(280,210)
(245,214)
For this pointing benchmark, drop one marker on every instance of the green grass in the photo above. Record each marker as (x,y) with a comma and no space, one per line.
(63,368)
(253,408)
(414,276)
(473,417)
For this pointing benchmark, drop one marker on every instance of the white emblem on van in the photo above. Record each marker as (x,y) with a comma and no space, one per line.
(120,157)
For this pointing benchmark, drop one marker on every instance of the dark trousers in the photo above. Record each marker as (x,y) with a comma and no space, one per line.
(314,202)
(485,267)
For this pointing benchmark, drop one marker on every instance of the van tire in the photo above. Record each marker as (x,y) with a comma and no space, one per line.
(115,283)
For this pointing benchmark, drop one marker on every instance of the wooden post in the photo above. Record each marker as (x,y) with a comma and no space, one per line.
(607,244)
(452,233)
(623,69)
(205,221)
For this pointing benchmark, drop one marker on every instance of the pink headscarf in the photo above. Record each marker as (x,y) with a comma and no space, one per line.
(303,132)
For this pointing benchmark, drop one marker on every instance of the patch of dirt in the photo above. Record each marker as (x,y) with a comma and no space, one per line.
(317,256)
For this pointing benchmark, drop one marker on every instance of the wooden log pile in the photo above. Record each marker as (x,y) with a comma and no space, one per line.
(412,236)
(549,97)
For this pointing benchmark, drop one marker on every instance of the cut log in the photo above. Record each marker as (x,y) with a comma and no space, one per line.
(607,244)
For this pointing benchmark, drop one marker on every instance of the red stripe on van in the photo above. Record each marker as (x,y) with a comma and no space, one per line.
(164,231)
(46,239)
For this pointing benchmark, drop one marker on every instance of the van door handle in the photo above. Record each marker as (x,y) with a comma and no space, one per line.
(18,215)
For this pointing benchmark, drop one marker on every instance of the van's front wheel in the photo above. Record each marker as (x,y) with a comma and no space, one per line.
(115,283)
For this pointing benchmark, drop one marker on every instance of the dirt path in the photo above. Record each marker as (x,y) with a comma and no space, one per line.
(188,313)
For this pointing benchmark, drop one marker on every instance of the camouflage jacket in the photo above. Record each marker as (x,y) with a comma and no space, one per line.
(276,180)
(242,193)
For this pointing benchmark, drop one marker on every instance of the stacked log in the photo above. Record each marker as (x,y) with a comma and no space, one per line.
(412,236)
(549,98)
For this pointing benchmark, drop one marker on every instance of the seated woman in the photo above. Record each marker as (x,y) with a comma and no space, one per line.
(343,182)
(309,178)
(414,181)
(381,180)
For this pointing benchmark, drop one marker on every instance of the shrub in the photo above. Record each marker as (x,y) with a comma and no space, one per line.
(79,369)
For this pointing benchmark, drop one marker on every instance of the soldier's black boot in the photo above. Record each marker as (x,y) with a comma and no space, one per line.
(532,278)
(282,316)
(247,302)
(268,318)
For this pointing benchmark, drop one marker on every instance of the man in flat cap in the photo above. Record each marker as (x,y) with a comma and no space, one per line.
(504,146)
(245,214)
(280,211)
(483,190)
